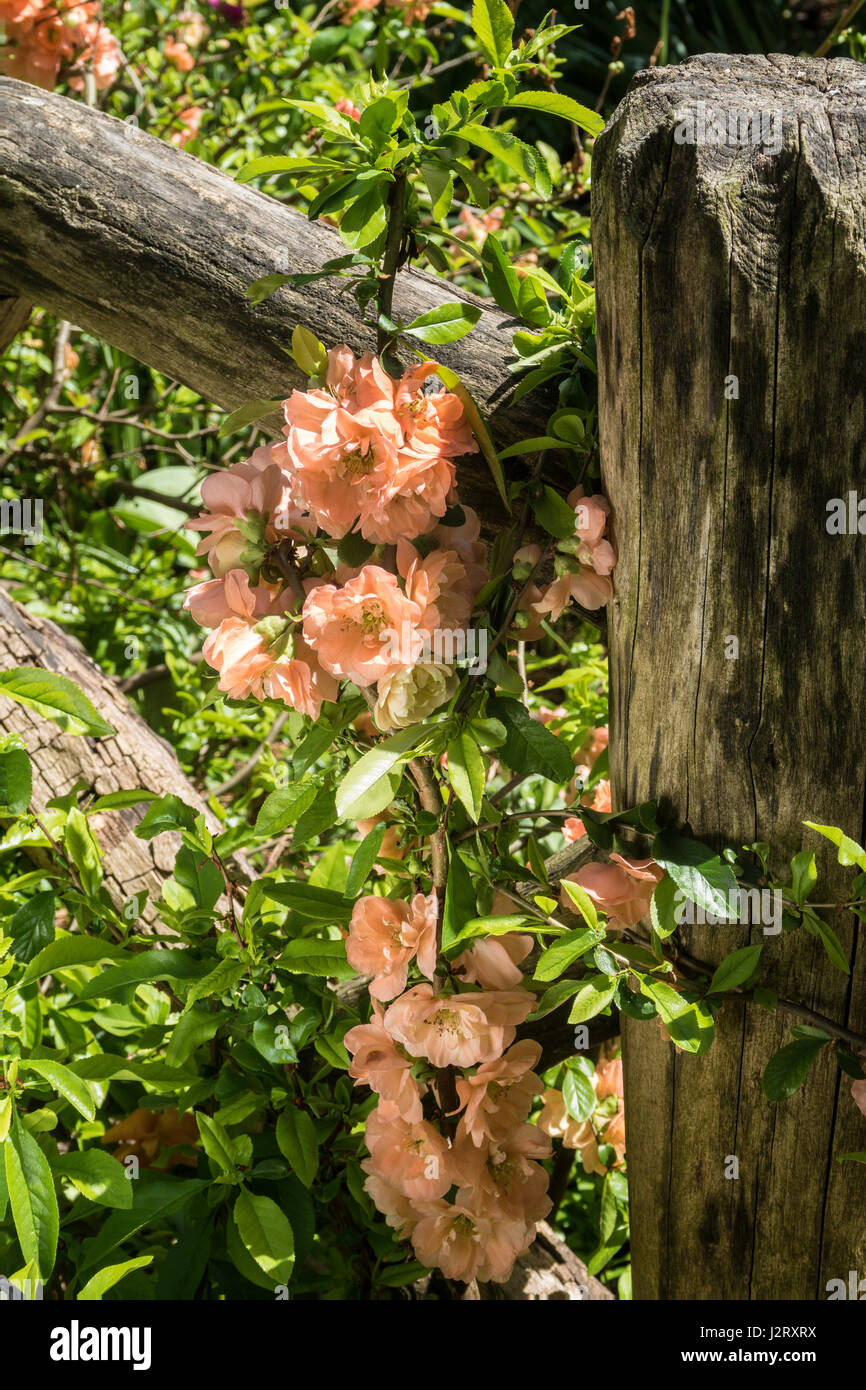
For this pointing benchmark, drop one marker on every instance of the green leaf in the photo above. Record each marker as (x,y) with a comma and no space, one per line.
(381,118)
(371,770)
(554,514)
(220,980)
(521,159)
(581,900)
(691,1025)
(65,1082)
(311,955)
(168,813)
(578,1093)
(735,969)
(265,286)
(142,969)
(554,998)
(320,904)
(816,926)
(247,415)
(592,998)
(555,104)
(493,23)
(296,1137)
(16,781)
(83,850)
(530,747)
(152,1200)
(500,274)
(55,698)
(310,354)
(479,428)
(216,1142)
(663,907)
(444,324)
(365,219)
(787,1069)
(300,166)
(68,951)
(804,875)
(190,1031)
(558,957)
(364,858)
(106,1278)
(698,872)
(97,1175)
(466,772)
(32,926)
(440,186)
(460,902)
(266,1235)
(322,815)
(32,1198)
(105,1066)
(849,850)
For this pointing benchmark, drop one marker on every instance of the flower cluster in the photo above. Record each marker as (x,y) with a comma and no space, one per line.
(583,565)
(469,1191)
(43,36)
(606,1125)
(365,454)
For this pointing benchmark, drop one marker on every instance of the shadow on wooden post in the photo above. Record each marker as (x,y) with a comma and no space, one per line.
(732,343)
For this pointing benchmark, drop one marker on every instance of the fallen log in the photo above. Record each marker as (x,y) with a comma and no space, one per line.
(151,249)
(134,757)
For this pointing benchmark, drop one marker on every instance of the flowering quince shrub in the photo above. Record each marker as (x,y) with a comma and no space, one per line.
(46,37)
(378,1024)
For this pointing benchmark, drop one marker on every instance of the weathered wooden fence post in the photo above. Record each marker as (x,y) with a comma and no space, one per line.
(731,283)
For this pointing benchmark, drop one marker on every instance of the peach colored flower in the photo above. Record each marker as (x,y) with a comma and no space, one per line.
(438,584)
(346,108)
(457,1029)
(502,1177)
(379,1064)
(413,1158)
(614,1134)
(351,628)
(499,1094)
(384,936)
(465,1243)
(260,656)
(211,602)
(494,962)
(249,506)
(622,888)
(177,53)
(465,539)
(398,1211)
(575,1134)
(858,1095)
(190,117)
(368,451)
(609,1078)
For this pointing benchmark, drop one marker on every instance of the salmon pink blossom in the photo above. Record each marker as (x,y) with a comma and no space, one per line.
(622,888)
(413,1158)
(350,627)
(457,1029)
(381,1065)
(499,1094)
(385,934)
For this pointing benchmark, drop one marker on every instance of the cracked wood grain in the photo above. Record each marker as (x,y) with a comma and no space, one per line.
(711,261)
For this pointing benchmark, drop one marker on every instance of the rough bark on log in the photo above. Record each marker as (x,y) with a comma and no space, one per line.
(716,261)
(134,757)
(152,249)
(14,314)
